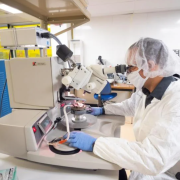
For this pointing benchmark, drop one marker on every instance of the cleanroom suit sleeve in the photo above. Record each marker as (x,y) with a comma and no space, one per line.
(125,108)
(157,153)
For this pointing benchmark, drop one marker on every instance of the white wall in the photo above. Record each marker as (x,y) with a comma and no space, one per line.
(63,37)
(111,36)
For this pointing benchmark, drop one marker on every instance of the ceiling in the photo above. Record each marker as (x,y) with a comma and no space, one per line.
(3,12)
(50,11)
(106,8)
(9,18)
(115,7)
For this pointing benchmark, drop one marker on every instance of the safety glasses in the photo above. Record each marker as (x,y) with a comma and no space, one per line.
(130,69)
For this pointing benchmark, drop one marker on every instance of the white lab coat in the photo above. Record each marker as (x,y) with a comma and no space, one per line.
(156,153)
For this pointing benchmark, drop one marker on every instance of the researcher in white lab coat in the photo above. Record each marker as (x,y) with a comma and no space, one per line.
(155,106)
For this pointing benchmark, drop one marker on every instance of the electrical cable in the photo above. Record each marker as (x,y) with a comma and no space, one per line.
(55,142)
(67,121)
(61,140)
(55,38)
(2,96)
(53,149)
(50,35)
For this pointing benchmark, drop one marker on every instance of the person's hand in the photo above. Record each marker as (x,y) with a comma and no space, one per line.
(96,111)
(81,141)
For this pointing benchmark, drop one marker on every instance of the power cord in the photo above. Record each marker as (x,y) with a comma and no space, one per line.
(2,96)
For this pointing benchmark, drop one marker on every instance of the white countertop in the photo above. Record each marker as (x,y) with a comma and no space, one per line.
(27,170)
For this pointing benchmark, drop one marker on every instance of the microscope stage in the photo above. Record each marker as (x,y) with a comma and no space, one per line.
(89,121)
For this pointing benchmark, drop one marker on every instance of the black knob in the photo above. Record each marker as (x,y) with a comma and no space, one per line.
(178,175)
(58,119)
(64,52)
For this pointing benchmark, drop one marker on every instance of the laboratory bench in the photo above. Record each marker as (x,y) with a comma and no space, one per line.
(27,170)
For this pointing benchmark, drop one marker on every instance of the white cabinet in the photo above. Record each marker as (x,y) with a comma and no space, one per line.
(76,47)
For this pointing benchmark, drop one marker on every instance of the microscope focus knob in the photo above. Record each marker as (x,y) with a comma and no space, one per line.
(66,80)
(91,86)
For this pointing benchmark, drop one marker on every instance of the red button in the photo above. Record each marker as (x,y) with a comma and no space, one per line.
(62,105)
(34,129)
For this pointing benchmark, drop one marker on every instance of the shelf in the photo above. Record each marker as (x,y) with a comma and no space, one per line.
(54,11)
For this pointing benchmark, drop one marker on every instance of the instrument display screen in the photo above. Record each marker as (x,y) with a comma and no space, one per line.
(45,124)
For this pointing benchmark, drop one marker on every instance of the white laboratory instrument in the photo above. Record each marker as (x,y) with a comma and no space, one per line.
(33,83)
(18,37)
(35,88)
(21,135)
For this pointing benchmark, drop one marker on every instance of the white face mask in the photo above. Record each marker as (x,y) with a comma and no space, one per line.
(135,78)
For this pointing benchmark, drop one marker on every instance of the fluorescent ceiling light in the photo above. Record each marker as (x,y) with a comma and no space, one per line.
(9,9)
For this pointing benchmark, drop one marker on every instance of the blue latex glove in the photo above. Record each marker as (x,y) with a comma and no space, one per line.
(81,141)
(96,111)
